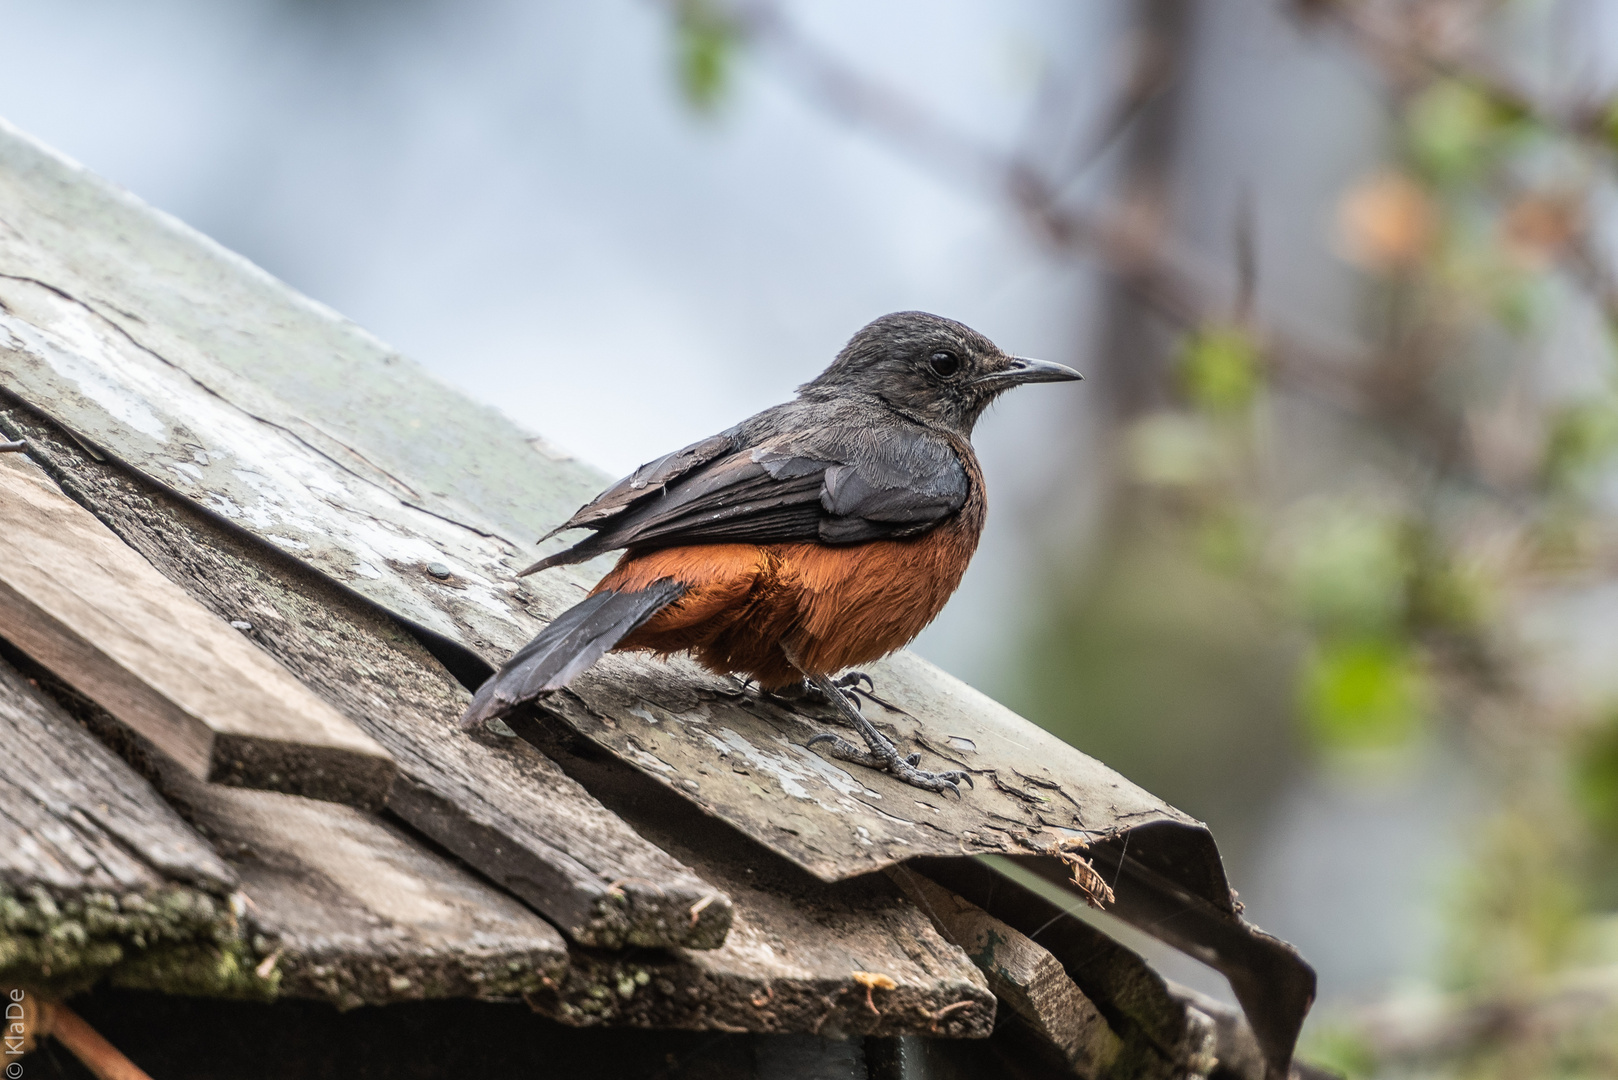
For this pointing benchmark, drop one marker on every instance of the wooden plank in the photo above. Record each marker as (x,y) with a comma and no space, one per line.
(497,803)
(1163,1035)
(80,819)
(96,870)
(86,606)
(349,909)
(1023,975)
(108,881)
(835,959)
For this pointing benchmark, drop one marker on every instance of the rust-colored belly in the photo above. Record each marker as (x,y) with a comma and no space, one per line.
(830,608)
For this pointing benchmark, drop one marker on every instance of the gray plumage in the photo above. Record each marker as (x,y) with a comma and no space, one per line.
(867,451)
(579,637)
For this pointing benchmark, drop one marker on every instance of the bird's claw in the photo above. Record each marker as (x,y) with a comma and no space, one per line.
(851,681)
(880,753)
(939,782)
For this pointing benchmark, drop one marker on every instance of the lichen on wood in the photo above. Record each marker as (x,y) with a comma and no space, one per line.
(103,877)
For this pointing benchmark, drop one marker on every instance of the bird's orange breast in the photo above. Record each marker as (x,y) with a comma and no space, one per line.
(830,607)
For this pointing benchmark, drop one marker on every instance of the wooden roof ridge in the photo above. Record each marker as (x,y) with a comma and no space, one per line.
(166,383)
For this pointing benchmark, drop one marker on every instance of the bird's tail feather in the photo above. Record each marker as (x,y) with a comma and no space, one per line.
(567,647)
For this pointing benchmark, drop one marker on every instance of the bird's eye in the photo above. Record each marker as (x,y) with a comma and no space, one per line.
(944,364)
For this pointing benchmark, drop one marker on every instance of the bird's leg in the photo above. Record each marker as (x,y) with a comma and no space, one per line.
(882,754)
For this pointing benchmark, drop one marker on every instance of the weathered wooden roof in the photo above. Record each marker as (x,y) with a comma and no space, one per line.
(361,523)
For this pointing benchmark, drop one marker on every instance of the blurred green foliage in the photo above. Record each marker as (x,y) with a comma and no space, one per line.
(1453,130)
(1595,779)
(1396,571)
(1516,915)
(1171,671)
(1175,450)
(1582,438)
(1349,569)
(1363,694)
(1219,369)
(706,41)
(1340,1050)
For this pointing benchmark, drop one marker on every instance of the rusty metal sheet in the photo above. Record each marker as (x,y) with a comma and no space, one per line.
(199,370)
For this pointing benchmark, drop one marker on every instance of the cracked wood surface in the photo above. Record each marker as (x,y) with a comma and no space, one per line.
(356,911)
(88,607)
(77,818)
(496,802)
(830,958)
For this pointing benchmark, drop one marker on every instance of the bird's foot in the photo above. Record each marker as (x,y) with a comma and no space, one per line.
(887,759)
(881,753)
(844,750)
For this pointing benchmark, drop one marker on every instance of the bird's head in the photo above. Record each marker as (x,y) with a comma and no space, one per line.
(929,367)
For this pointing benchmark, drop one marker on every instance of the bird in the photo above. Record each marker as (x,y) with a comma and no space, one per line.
(811,538)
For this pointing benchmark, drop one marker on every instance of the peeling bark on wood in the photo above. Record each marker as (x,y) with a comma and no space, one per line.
(349,909)
(495,802)
(86,606)
(97,870)
(1022,974)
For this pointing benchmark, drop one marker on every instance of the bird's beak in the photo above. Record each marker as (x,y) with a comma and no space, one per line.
(1023,370)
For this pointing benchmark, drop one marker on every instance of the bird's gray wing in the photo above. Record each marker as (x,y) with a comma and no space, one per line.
(836,485)
(648,480)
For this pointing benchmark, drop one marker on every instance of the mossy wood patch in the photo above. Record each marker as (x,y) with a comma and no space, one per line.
(98,872)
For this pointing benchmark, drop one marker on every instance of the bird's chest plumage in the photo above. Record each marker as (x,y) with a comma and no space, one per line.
(829,606)
(851,605)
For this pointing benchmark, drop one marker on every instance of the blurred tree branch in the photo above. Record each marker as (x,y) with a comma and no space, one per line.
(1129,239)
(1415,42)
